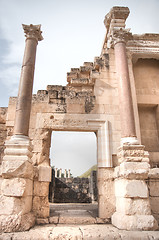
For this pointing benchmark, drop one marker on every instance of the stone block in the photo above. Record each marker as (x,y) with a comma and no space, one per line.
(41,189)
(154,203)
(54,219)
(16,222)
(106,206)
(41,221)
(105,173)
(131,153)
(131,188)
(41,206)
(75,108)
(14,205)
(44,173)
(17,168)
(17,187)
(134,222)
(132,170)
(154,188)
(154,173)
(128,206)
(106,188)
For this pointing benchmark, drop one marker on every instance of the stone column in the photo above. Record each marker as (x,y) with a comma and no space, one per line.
(69,173)
(23,108)
(60,172)
(65,173)
(125,97)
(56,172)
(16,212)
(133,210)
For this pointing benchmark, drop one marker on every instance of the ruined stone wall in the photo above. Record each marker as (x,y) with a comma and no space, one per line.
(72,190)
(3,130)
(153,186)
(3,135)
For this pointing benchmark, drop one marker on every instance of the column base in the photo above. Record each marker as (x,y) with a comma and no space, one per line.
(17,186)
(129,140)
(134,222)
(19,138)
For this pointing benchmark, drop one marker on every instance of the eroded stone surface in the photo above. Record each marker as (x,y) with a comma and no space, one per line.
(16,222)
(131,188)
(132,170)
(129,206)
(134,222)
(17,187)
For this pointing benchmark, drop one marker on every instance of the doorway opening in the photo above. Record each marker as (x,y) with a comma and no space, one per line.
(73,158)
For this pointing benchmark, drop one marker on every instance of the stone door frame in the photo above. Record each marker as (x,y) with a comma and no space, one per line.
(102,129)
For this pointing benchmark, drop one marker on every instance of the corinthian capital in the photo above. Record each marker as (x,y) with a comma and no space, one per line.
(121,35)
(33,31)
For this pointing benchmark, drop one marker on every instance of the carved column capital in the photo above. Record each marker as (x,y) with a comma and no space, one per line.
(33,32)
(121,35)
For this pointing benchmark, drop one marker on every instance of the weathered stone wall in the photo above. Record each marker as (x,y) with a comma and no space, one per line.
(3,135)
(147,91)
(72,190)
(3,130)
(153,186)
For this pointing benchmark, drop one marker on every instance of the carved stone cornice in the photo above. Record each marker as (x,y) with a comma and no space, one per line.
(33,31)
(116,13)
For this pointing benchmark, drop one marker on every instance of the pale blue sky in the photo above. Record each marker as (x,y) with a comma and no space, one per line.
(73,32)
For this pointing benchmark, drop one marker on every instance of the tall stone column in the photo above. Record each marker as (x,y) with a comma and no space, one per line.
(133,211)
(16,210)
(125,97)
(23,108)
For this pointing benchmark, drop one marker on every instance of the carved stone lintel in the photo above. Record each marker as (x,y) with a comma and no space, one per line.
(33,31)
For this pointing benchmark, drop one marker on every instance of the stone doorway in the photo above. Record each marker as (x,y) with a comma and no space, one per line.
(102,128)
(73,189)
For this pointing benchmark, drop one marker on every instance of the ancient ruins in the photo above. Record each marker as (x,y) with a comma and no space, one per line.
(117,97)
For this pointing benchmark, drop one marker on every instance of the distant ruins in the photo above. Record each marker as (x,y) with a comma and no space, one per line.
(117,97)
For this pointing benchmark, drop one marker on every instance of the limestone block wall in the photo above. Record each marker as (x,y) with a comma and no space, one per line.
(147,91)
(3,135)
(153,186)
(3,130)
